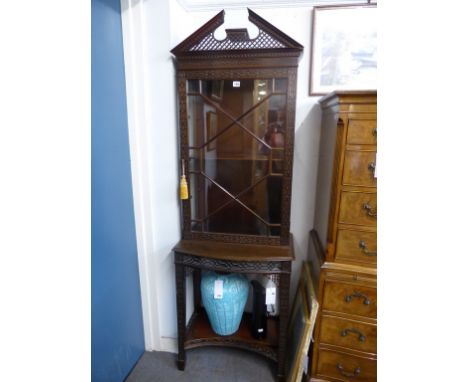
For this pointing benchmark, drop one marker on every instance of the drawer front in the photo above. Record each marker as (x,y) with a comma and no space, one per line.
(345,367)
(357,110)
(348,333)
(358,208)
(359,167)
(362,132)
(350,298)
(358,246)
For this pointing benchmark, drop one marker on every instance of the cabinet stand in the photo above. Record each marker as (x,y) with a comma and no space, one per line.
(235,258)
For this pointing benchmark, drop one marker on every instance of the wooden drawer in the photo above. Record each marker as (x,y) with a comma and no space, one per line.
(362,132)
(350,297)
(359,168)
(357,246)
(358,111)
(345,367)
(358,208)
(348,333)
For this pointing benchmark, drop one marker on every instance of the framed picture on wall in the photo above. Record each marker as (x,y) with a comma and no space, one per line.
(344,48)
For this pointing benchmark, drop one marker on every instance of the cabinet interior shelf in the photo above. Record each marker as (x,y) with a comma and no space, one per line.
(200,333)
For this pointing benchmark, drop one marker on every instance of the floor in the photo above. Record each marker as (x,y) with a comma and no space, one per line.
(209,364)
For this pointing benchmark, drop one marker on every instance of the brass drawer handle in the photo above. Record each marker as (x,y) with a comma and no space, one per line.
(374,131)
(348,374)
(369,210)
(361,337)
(365,301)
(363,246)
(371,168)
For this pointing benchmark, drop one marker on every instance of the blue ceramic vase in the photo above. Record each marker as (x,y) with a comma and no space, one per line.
(224,313)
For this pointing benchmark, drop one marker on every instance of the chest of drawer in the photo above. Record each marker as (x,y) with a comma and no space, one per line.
(348,333)
(358,208)
(345,367)
(362,132)
(356,246)
(350,298)
(359,167)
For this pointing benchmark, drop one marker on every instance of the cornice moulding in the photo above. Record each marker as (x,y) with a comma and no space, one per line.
(208,5)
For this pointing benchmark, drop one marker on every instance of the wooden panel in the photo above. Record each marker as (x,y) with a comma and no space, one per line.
(345,367)
(362,132)
(338,154)
(351,99)
(358,208)
(235,252)
(362,108)
(357,246)
(348,333)
(200,332)
(350,298)
(358,170)
(350,272)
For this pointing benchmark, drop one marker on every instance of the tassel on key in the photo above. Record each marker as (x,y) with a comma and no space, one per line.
(183,185)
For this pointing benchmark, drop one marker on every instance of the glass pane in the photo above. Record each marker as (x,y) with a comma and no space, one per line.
(274,187)
(197,196)
(194,164)
(265,199)
(195,121)
(280,85)
(217,198)
(236,133)
(196,226)
(206,197)
(237,220)
(193,86)
(265,112)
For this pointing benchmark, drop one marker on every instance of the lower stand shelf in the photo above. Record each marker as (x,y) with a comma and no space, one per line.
(199,333)
(192,257)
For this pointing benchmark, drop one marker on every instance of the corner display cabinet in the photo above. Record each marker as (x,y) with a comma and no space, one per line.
(236,119)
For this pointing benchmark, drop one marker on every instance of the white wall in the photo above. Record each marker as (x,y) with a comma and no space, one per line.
(151,29)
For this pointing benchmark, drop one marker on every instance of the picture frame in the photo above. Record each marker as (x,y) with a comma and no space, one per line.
(312,301)
(344,48)
(211,129)
(301,325)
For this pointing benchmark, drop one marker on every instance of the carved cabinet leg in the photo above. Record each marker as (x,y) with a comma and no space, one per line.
(180,295)
(284,310)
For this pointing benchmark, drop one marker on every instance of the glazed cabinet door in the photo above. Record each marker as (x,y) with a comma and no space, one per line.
(236,132)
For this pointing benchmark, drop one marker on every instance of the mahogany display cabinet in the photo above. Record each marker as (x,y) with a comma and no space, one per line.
(236,100)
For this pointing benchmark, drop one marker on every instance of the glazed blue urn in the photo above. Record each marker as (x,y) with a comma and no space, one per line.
(225,312)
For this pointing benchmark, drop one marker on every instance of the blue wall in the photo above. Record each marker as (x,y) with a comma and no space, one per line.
(116,318)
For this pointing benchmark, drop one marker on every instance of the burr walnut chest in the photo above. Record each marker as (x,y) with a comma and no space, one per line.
(343,243)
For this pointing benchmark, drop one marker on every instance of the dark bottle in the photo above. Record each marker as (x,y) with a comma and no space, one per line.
(259,318)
